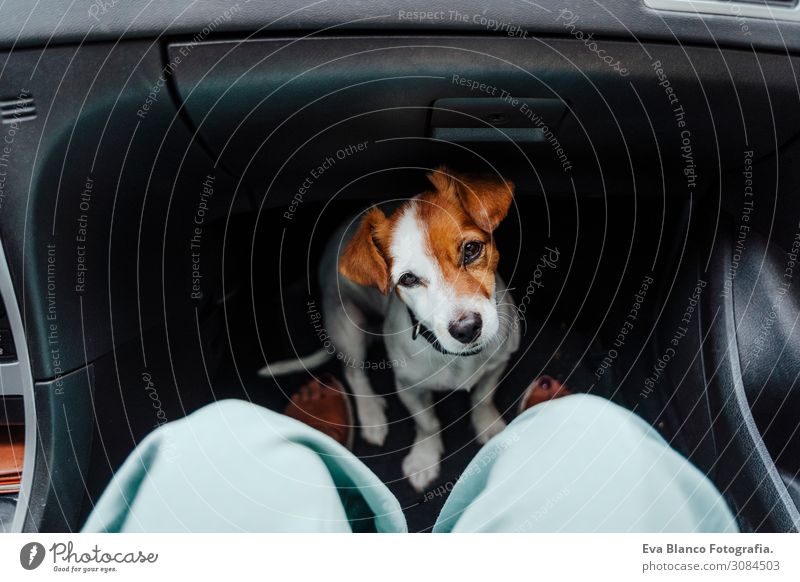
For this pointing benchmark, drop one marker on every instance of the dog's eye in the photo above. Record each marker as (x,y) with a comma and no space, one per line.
(472,250)
(408,280)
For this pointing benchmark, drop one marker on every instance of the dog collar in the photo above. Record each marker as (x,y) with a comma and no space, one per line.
(419,329)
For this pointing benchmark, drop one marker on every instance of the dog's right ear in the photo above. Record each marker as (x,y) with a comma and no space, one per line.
(363,260)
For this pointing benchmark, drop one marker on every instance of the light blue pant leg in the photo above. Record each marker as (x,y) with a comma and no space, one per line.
(582,464)
(234,466)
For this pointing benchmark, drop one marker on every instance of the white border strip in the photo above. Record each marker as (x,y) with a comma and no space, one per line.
(451,557)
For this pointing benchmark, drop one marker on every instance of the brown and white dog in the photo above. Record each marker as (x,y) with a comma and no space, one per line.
(427,274)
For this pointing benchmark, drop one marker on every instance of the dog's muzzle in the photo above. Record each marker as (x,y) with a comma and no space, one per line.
(419,329)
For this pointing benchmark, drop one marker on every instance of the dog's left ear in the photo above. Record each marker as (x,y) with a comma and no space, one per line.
(485,198)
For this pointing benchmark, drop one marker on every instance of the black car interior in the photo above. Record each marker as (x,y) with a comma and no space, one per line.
(169,178)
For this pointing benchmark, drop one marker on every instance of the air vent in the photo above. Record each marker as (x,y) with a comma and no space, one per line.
(763,2)
(17,109)
(788,10)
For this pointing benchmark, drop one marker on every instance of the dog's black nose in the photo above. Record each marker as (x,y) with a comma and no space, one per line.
(466,328)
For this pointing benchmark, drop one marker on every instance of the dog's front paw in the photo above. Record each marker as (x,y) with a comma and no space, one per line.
(372,416)
(487,422)
(421,466)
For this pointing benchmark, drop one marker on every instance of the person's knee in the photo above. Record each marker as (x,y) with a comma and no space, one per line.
(579,406)
(589,406)
(230,411)
(585,414)
(239,429)
(209,423)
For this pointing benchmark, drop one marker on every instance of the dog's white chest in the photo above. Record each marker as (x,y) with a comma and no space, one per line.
(457,375)
(429,370)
